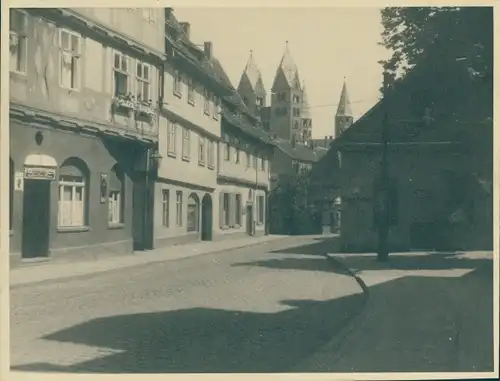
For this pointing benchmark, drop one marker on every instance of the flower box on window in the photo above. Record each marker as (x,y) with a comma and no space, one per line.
(125,101)
(145,108)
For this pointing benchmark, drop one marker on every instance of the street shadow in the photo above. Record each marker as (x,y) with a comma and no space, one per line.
(205,340)
(324,245)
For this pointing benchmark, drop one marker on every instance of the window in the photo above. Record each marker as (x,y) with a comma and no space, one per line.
(172,137)
(178,83)
(281,96)
(69,58)
(254,161)
(296,111)
(296,99)
(215,108)
(73,178)
(226,151)
(260,101)
(296,125)
(210,154)
(191,99)
(185,143)
(192,213)
(165,202)
(237,155)
(225,209)
(295,166)
(260,210)
(206,102)
(18,41)
(263,163)
(116,196)
(249,159)
(143,82)
(201,150)
(120,74)
(237,209)
(178,206)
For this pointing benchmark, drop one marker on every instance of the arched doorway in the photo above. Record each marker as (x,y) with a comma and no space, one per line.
(206,218)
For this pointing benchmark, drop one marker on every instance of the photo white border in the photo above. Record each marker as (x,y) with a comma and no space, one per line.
(4,187)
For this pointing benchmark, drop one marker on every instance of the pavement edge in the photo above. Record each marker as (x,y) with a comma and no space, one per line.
(331,352)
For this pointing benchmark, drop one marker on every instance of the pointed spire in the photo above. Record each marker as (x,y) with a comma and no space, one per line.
(344,108)
(289,69)
(252,72)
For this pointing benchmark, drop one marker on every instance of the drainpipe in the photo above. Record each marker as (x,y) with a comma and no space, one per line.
(255,192)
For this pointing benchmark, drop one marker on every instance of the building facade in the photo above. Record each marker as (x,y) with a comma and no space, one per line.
(83,127)
(186,197)
(245,153)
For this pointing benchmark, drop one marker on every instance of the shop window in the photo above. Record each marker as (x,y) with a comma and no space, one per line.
(116,196)
(193,213)
(73,194)
(18,41)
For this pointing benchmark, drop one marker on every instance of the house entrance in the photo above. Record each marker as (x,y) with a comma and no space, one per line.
(206,218)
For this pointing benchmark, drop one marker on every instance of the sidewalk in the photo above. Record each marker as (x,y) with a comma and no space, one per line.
(425,313)
(50,271)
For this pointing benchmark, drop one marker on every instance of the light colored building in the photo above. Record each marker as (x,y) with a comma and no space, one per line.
(186,200)
(83,122)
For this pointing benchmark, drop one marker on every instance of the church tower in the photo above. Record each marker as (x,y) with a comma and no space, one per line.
(286,101)
(343,118)
(306,116)
(251,87)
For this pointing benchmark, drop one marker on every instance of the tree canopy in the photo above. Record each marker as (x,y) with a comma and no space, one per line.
(463,33)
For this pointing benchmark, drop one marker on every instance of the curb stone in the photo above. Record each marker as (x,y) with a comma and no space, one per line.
(331,352)
(146,261)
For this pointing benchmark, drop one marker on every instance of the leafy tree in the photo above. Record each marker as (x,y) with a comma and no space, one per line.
(464,33)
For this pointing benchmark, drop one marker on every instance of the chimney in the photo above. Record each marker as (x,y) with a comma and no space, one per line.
(326,141)
(207,45)
(331,137)
(186,27)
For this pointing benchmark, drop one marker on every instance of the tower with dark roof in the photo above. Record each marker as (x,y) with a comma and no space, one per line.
(343,117)
(287,102)
(251,87)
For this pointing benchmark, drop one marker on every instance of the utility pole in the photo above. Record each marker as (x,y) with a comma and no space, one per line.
(383,191)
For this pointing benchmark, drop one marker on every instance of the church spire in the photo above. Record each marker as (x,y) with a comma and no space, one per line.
(344,107)
(287,69)
(252,73)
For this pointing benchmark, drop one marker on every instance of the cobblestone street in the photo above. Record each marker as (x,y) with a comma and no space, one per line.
(257,309)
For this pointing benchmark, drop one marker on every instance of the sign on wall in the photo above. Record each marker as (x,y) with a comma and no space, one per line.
(19,181)
(39,173)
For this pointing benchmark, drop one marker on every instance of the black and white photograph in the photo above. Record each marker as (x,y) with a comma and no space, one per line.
(248,188)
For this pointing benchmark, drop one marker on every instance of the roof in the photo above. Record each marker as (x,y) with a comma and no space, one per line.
(244,124)
(344,107)
(288,69)
(253,74)
(300,151)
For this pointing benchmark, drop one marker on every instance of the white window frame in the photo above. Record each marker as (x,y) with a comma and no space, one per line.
(171,138)
(123,57)
(206,101)
(142,81)
(263,164)
(75,222)
(65,53)
(21,46)
(210,154)
(178,208)
(186,143)
(201,150)
(177,88)
(215,108)
(191,92)
(165,210)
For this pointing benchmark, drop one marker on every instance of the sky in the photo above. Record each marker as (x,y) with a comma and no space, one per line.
(327,45)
